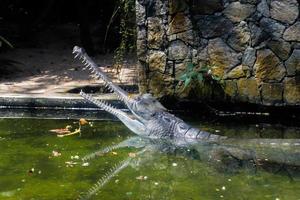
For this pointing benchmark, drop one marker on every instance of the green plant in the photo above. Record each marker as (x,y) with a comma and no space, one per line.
(127,29)
(193,74)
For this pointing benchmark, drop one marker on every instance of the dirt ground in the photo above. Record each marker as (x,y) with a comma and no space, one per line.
(49,68)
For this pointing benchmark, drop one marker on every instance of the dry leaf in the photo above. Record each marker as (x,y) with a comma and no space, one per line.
(114,153)
(83,121)
(60,131)
(132,155)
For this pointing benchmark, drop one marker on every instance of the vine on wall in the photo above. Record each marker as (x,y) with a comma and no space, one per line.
(126,10)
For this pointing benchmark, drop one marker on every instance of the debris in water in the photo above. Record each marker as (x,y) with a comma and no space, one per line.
(142,178)
(75,157)
(70,163)
(61,131)
(132,155)
(174,164)
(86,164)
(128,193)
(56,153)
(31,171)
(83,121)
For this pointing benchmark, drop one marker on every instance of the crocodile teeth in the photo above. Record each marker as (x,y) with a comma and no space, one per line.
(86,67)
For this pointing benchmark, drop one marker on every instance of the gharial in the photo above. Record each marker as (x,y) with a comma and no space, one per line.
(150,118)
(164,132)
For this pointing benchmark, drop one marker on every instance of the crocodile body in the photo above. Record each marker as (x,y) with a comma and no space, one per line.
(150,118)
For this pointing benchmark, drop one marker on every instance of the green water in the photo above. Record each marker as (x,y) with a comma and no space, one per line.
(29,170)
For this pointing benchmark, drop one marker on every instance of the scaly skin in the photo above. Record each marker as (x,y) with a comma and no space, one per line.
(150,119)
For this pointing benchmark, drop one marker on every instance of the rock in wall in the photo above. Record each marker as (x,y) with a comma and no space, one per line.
(252,46)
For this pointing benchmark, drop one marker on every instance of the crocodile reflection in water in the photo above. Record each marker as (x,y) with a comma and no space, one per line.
(273,155)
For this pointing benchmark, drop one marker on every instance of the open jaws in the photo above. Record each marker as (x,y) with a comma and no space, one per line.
(96,71)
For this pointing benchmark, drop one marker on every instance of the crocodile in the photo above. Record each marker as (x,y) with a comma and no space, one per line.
(147,117)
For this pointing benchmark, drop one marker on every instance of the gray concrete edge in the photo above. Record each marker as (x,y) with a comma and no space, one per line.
(55,101)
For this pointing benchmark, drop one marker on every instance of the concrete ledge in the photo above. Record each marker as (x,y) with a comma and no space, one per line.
(56,101)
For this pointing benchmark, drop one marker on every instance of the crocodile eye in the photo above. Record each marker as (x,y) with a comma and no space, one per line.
(182,127)
(166,119)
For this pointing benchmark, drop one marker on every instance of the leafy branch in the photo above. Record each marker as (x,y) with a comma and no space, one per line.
(193,74)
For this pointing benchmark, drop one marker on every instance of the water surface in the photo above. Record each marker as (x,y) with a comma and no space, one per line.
(36,164)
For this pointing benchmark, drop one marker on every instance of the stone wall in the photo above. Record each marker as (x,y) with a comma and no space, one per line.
(252,45)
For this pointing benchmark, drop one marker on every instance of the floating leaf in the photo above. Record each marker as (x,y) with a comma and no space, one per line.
(70,133)
(83,121)
(60,131)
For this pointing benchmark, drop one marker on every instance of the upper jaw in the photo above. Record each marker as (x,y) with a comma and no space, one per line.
(92,66)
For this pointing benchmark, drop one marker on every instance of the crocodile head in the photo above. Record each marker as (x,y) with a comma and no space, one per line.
(141,106)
